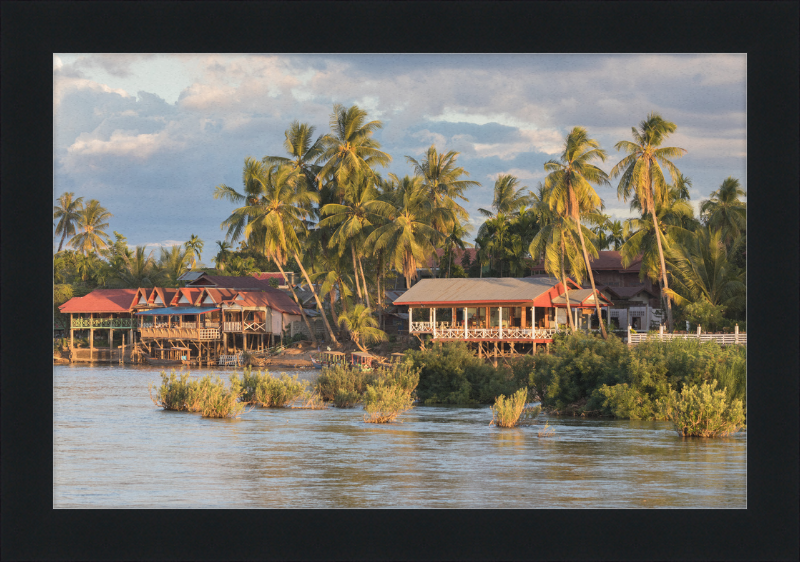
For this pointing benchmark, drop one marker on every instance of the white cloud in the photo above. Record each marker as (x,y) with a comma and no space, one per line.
(57,62)
(124,143)
(519,173)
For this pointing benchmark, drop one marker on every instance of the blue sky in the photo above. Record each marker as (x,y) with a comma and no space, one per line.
(150,136)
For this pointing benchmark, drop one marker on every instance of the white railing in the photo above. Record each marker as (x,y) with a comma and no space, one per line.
(208,334)
(233,326)
(254,326)
(513,333)
(422,326)
(722,339)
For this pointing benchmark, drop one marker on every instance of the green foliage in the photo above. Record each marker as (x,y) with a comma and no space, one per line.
(346,398)
(452,374)
(211,398)
(511,411)
(707,315)
(332,380)
(705,412)
(216,401)
(267,391)
(384,401)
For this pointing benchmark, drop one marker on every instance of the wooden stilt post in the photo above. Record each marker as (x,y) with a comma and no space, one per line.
(71,337)
(91,336)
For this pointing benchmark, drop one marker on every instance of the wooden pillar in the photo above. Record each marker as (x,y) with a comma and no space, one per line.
(91,336)
(487,320)
(736,334)
(433,314)
(71,335)
(465,323)
(698,332)
(500,324)
(522,323)
(453,316)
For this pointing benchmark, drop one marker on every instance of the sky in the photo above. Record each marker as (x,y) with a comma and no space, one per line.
(150,136)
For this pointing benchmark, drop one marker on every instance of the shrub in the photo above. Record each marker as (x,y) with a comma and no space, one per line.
(451,374)
(346,398)
(383,402)
(219,402)
(173,394)
(341,377)
(309,401)
(705,412)
(211,398)
(511,411)
(267,391)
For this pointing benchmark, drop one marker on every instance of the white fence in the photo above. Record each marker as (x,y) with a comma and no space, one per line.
(722,339)
(447,332)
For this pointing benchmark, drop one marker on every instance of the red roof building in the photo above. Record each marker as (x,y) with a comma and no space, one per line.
(101,301)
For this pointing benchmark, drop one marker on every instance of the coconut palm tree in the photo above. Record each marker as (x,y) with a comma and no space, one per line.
(363,327)
(92,219)
(68,212)
(725,212)
(569,190)
(223,252)
(454,238)
(303,152)
(140,270)
(173,263)
(701,271)
(353,220)
(350,146)
(442,178)
(249,198)
(276,219)
(508,198)
(642,175)
(408,237)
(194,248)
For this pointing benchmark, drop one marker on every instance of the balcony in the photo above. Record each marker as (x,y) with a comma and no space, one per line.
(82,323)
(180,333)
(446,332)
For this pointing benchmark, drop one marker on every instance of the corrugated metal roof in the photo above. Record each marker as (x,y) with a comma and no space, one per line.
(101,300)
(628,292)
(487,289)
(190,275)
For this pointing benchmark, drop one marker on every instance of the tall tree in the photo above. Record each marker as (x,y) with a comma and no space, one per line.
(303,152)
(442,178)
(350,146)
(642,175)
(140,270)
(173,263)
(362,326)
(508,198)
(223,253)
(92,219)
(570,193)
(725,212)
(408,237)
(194,247)
(68,214)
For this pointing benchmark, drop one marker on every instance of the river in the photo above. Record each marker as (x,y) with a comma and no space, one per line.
(113,448)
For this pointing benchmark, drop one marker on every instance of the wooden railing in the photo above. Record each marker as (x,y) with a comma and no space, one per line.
(722,339)
(254,326)
(181,333)
(103,323)
(233,326)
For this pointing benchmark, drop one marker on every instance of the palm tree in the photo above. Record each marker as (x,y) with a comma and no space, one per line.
(139,270)
(454,238)
(302,151)
(569,189)
(642,175)
(725,212)
(224,251)
(174,263)
(616,234)
(249,198)
(443,181)
(194,248)
(682,185)
(350,148)
(408,237)
(275,220)
(702,272)
(362,326)
(361,212)
(508,199)
(91,222)
(68,212)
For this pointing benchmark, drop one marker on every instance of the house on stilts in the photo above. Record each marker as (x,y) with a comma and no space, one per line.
(497,316)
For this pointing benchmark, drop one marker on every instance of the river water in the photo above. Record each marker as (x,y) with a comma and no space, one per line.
(113,448)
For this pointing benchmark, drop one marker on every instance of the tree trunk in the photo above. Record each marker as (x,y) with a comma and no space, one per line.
(316,298)
(63,236)
(566,289)
(364,279)
(591,280)
(355,274)
(302,312)
(663,270)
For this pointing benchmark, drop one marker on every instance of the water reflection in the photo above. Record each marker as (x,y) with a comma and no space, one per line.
(114,448)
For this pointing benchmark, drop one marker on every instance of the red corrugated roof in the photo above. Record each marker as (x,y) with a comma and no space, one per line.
(275,299)
(216,294)
(191,294)
(101,300)
(265,276)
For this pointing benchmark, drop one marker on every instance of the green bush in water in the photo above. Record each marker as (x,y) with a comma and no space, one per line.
(211,398)
(341,377)
(268,391)
(511,411)
(704,411)
(383,402)
(346,398)
(451,374)
(174,392)
(216,401)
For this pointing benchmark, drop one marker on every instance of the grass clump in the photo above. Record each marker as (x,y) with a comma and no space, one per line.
(346,398)
(209,397)
(383,402)
(511,411)
(705,412)
(267,391)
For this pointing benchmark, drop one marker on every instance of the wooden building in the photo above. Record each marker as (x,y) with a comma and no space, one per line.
(495,315)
